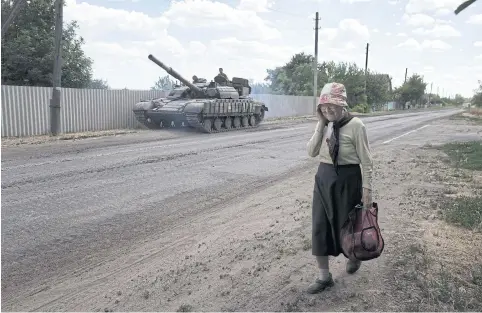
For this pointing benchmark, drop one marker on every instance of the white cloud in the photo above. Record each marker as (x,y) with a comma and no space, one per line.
(419,6)
(198,36)
(393,2)
(478,44)
(348,29)
(100,22)
(475,19)
(414,45)
(354,1)
(443,12)
(418,20)
(354,26)
(199,14)
(438,31)
(327,33)
(410,44)
(256,5)
(436,45)
(478,57)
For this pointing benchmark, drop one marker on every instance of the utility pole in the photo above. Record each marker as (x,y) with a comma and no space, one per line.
(406,70)
(17,5)
(366,73)
(430,94)
(315,66)
(56,95)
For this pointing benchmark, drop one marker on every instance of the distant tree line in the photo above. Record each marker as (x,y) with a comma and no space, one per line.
(296,78)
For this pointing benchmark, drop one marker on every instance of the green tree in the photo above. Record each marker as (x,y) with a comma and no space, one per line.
(296,78)
(459,99)
(164,83)
(379,89)
(259,88)
(28,48)
(411,91)
(99,84)
(477,98)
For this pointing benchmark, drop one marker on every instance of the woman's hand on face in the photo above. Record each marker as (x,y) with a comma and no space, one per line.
(367,198)
(320,116)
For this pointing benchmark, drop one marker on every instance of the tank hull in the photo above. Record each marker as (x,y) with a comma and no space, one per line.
(204,115)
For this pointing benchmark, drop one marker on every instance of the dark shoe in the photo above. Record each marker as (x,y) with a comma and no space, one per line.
(352,266)
(320,285)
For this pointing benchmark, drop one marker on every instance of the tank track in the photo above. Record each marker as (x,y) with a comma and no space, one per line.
(194,121)
(141,118)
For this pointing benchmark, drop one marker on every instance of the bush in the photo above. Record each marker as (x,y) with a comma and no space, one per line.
(360,108)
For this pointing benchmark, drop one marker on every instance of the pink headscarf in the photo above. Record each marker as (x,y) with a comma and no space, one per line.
(333,93)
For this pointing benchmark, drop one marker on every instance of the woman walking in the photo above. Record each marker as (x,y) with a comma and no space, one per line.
(340,140)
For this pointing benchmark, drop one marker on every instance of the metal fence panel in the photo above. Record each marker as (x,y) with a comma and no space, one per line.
(25,109)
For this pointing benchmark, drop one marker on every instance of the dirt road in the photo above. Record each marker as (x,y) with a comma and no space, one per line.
(169,221)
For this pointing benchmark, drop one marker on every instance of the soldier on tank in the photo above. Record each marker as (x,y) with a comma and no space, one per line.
(221,78)
(221,73)
(195,79)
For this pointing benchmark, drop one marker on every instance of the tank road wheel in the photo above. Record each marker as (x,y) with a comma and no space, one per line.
(260,117)
(218,124)
(236,122)
(207,125)
(245,121)
(252,120)
(228,122)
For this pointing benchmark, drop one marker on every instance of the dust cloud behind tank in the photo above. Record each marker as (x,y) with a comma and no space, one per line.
(217,106)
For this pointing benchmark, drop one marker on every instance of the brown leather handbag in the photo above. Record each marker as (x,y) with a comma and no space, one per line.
(361,238)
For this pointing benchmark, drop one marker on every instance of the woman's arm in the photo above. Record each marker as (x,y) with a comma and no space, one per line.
(314,144)
(364,154)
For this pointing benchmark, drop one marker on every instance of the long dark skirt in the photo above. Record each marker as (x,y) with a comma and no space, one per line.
(334,196)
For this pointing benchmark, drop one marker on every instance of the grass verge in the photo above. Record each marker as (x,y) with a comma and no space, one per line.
(463,211)
(433,286)
(439,267)
(467,155)
(472,116)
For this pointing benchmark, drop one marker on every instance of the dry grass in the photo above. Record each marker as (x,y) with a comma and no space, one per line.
(472,116)
(441,270)
(435,286)
(16,141)
(466,155)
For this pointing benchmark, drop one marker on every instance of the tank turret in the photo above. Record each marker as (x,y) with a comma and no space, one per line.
(174,74)
(207,107)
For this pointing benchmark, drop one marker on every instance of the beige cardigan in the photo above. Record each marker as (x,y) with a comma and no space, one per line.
(354,147)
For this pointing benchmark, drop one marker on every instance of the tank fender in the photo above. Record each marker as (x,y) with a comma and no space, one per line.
(144,105)
(259,107)
(194,107)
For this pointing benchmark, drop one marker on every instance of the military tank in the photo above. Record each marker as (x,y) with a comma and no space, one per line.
(213,107)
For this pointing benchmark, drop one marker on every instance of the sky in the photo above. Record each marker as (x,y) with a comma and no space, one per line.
(247,37)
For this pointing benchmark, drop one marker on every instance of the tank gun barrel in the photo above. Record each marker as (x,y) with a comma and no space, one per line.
(173,73)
